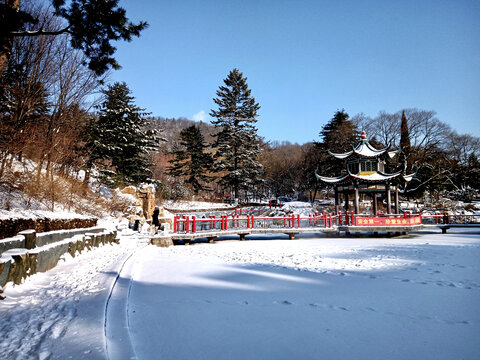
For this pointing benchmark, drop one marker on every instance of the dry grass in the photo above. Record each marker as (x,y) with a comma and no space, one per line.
(55,193)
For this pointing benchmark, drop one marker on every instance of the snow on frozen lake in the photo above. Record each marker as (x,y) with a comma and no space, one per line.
(414,297)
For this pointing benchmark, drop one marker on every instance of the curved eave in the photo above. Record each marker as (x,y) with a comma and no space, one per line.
(330,180)
(340,156)
(363,149)
(376,177)
(392,154)
(409,177)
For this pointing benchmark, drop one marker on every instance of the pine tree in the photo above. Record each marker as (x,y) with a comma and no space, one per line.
(338,136)
(237,142)
(118,140)
(191,160)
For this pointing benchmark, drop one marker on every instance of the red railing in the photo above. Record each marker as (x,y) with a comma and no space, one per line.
(451,219)
(192,224)
(240,220)
(249,211)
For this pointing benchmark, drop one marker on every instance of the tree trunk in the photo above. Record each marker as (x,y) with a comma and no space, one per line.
(2,166)
(39,168)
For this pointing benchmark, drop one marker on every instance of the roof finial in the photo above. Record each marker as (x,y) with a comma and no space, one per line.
(364,135)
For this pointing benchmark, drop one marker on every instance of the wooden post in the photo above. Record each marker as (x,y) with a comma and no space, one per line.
(337,201)
(375,205)
(397,205)
(357,199)
(389,199)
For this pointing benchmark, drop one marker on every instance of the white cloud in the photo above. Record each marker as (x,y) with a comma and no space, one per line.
(200,116)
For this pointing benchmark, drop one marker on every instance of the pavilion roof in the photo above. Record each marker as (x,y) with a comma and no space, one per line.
(364,149)
(372,177)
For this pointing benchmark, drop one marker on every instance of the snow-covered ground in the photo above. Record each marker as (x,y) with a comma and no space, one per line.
(414,297)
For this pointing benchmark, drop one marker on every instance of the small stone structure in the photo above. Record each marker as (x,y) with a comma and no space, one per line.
(145,198)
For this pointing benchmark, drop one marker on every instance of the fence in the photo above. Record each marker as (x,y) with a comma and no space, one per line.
(449,219)
(248,219)
(192,224)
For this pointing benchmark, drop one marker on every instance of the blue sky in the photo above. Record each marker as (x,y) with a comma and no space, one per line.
(305,59)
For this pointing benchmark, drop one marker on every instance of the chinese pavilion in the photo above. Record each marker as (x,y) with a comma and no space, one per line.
(365,168)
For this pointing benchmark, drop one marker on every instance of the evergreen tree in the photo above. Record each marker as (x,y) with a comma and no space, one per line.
(91,25)
(117,138)
(338,136)
(404,139)
(237,142)
(191,161)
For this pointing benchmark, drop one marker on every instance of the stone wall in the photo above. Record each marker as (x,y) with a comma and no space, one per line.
(11,227)
(18,263)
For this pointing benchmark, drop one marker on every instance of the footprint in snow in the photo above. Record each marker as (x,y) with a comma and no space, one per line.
(284,302)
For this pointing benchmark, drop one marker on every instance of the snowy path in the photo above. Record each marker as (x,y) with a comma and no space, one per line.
(60,314)
(414,297)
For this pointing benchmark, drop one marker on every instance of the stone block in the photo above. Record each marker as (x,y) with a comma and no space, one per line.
(161,241)
(14,242)
(30,236)
(20,265)
(5,263)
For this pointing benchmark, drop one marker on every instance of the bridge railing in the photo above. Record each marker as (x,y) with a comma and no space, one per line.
(249,211)
(449,219)
(192,224)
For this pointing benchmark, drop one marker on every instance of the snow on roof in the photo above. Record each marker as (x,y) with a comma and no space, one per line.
(364,149)
(332,180)
(375,176)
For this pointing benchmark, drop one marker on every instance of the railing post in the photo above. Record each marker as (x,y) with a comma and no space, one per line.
(175,224)
(194,224)
(298,220)
(187,224)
